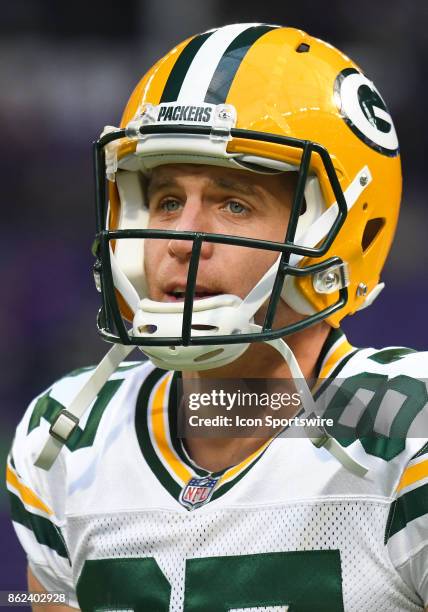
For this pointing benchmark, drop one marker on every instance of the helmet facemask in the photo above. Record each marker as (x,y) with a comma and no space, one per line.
(215,330)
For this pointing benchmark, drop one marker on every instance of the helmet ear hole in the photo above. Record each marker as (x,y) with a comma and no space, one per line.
(371,231)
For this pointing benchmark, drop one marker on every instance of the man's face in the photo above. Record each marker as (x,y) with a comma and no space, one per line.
(217,200)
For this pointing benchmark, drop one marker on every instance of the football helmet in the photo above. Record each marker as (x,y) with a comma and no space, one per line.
(262,98)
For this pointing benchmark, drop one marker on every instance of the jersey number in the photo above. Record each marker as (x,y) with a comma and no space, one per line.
(301,581)
(406,397)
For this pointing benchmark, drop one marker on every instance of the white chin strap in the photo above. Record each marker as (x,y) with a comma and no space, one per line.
(318,436)
(68,419)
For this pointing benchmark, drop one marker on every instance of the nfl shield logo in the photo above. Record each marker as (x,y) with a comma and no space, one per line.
(197,492)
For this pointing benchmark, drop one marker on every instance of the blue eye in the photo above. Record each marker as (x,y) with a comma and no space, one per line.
(236,207)
(171,205)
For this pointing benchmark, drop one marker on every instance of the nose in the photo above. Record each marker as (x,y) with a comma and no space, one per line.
(192,219)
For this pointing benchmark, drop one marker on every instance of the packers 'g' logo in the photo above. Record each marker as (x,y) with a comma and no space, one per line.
(363,109)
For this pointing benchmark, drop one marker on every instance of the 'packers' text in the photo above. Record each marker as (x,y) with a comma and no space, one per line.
(185,113)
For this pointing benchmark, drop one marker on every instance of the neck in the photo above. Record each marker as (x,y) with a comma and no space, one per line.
(259,361)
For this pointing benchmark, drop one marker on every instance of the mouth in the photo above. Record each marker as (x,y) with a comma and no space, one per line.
(177,294)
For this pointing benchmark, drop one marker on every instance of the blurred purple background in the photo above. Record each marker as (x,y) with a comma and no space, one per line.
(67,70)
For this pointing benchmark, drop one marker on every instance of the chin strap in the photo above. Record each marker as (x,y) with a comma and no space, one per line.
(68,419)
(318,436)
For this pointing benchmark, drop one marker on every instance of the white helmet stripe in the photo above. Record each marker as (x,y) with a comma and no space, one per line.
(205,62)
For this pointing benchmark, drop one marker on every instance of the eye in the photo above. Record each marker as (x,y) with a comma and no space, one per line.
(236,207)
(170,205)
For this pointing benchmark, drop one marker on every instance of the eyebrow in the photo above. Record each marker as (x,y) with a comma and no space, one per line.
(245,188)
(222,183)
(154,185)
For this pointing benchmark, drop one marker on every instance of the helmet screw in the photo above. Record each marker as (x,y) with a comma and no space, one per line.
(364,179)
(362,289)
(330,280)
(97,275)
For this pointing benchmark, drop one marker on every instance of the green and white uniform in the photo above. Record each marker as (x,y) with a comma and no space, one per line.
(287,529)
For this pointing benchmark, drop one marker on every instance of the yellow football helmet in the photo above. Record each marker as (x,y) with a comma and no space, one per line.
(263,98)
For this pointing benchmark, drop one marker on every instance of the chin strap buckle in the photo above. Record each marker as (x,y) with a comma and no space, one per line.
(63,426)
(67,421)
(321,441)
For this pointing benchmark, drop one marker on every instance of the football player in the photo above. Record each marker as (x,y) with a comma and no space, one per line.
(245,206)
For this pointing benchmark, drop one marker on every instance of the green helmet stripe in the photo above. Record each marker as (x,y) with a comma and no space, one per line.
(181,66)
(227,67)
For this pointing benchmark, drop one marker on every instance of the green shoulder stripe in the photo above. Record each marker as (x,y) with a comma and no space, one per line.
(391,355)
(406,508)
(44,531)
(78,371)
(129,365)
(48,408)
(126,365)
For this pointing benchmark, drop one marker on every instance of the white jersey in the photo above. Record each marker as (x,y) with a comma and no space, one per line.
(289,528)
